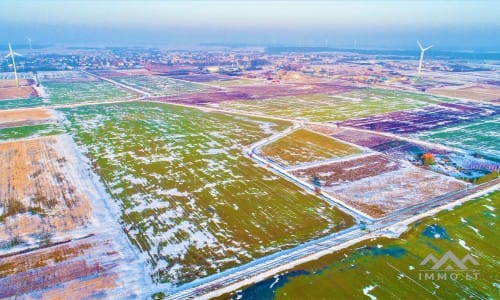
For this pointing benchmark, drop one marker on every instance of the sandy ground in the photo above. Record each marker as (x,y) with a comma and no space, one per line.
(11,118)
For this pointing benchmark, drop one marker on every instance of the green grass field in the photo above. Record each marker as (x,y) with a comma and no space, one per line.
(324,107)
(303,146)
(22,103)
(190,198)
(161,85)
(72,92)
(76,92)
(389,268)
(479,136)
(30,131)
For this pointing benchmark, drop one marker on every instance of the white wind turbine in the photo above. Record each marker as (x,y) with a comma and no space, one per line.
(11,55)
(422,51)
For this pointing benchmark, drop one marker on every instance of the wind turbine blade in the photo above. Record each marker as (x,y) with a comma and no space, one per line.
(17,54)
(428,47)
(420,45)
(7,56)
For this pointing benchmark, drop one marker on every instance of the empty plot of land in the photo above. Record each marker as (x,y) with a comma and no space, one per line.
(124,72)
(303,146)
(386,193)
(190,199)
(362,138)
(324,129)
(349,170)
(256,92)
(426,118)
(17,92)
(480,136)
(65,76)
(333,107)
(161,85)
(30,131)
(236,82)
(22,103)
(215,77)
(67,87)
(484,93)
(25,117)
(77,92)
(74,270)
(289,90)
(11,83)
(4,76)
(58,238)
(39,192)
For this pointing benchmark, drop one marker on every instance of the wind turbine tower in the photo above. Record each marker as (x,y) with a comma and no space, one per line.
(422,51)
(29,42)
(11,55)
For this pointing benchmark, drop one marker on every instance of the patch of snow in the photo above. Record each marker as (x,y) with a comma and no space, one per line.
(476,231)
(172,192)
(367,290)
(489,207)
(134,180)
(463,244)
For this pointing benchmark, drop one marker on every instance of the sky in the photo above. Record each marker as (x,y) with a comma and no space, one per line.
(466,25)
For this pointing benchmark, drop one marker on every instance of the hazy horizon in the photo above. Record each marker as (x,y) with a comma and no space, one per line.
(456,25)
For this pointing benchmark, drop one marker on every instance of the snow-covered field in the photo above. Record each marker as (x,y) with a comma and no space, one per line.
(334,107)
(388,192)
(59,236)
(65,76)
(189,198)
(161,85)
(20,75)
